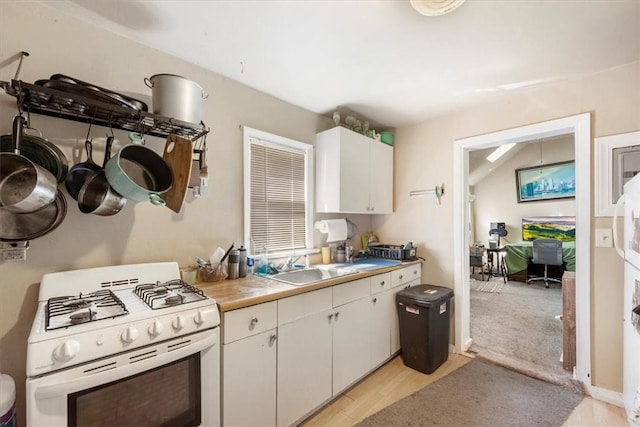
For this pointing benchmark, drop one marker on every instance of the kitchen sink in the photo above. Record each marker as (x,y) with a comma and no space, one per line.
(310,275)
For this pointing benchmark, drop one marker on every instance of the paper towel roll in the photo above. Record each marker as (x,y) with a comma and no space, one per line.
(335,228)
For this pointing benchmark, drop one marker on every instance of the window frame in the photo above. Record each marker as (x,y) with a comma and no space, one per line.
(253,136)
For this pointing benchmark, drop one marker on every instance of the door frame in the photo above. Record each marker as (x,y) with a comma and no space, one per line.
(578,125)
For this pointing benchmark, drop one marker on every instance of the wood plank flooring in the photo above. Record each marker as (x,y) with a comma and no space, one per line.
(395,381)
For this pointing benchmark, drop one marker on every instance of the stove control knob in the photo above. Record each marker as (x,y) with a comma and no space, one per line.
(178,323)
(155,329)
(66,351)
(129,335)
(199,318)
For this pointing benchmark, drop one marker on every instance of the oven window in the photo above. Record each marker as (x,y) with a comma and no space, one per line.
(165,396)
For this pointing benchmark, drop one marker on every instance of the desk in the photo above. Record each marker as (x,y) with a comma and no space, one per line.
(518,255)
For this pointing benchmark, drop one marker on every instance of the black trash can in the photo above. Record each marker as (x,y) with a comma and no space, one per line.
(423,315)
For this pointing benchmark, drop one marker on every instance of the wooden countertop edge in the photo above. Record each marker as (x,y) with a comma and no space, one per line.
(248,291)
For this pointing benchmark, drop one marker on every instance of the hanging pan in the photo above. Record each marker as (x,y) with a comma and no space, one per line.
(80,172)
(20,227)
(96,195)
(24,186)
(41,152)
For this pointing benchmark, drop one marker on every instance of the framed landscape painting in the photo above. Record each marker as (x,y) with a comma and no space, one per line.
(545,182)
(549,227)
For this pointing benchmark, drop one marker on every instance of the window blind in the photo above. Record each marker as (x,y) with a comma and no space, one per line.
(277,198)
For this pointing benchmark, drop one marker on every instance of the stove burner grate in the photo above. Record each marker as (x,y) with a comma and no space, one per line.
(162,295)
(73,310)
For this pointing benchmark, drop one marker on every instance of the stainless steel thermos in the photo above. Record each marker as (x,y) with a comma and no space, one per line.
(242,262)
(234,264)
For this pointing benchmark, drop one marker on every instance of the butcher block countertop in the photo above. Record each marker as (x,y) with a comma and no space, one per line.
(251,290)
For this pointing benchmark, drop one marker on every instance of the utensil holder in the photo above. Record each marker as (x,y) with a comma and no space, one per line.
(211,274)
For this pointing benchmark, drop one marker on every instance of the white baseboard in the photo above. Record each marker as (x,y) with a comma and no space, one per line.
(608,396)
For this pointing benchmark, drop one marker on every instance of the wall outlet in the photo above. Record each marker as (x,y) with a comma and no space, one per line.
(604,238)
(14,255)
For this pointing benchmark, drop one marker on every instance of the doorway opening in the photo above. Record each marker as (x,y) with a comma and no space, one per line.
(580,127)
(515,316)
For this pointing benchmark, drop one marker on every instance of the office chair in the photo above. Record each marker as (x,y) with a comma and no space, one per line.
(495,248)
(547,252)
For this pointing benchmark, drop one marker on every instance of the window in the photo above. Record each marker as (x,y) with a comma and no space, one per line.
(278,202)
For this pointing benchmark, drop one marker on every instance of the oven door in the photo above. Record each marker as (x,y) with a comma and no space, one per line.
(176,382)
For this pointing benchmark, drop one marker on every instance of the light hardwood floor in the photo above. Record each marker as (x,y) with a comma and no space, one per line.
(395,381)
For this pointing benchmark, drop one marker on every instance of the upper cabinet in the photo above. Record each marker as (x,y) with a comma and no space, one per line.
(354,173)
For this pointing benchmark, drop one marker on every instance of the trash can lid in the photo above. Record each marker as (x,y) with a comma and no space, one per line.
(426,294)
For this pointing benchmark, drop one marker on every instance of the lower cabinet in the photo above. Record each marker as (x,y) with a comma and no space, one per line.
(284,359)
(249,354)
(304,354)
(249,381)
(351,343)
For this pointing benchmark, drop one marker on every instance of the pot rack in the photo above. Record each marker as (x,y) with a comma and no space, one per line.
(51,102)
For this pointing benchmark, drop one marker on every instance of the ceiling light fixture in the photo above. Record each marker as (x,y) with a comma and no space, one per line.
(498,152)
(435,7)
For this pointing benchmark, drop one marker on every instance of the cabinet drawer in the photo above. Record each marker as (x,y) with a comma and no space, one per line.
(405,275)
(351,291)
(380,283)
(249,321)
(299,306)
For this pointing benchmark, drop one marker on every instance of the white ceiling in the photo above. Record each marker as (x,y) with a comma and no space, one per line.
(381,59)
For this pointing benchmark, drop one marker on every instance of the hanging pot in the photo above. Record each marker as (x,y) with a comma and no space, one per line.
(139,173)
(24,186)
(96,195)
(176,97)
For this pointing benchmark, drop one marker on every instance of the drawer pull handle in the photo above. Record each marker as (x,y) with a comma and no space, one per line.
(337,314)
(331,316)
(272,338)
(375,300)
(254,321)
(382,283)
(400,277)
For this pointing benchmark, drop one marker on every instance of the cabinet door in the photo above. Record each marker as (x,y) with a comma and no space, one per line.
(304,366)
(354,172)
(381,178)
(351,343)
(380,328)
(249,381)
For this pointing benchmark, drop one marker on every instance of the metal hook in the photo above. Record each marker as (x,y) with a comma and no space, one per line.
(22,55)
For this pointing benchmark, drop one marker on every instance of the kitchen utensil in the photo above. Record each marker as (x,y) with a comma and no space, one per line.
(24,186)
(80,172)
(227,253)
(176,97)
(177,153)
(139,173)
(19,227)
(96,195)
(41,152)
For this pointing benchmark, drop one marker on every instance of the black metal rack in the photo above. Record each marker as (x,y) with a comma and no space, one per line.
(51,102)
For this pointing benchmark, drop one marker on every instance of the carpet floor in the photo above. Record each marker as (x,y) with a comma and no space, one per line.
(481,393)
(517,327)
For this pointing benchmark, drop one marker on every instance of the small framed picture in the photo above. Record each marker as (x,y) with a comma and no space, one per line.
(546,182)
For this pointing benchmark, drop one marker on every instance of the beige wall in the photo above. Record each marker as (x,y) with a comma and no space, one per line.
(141,232)
(496,195)
(423,158)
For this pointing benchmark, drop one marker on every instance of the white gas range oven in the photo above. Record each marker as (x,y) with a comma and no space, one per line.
(128,345)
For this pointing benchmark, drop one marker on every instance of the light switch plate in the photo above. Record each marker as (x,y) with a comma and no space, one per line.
(604,238)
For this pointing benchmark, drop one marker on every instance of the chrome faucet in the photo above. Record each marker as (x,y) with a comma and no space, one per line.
(291,261)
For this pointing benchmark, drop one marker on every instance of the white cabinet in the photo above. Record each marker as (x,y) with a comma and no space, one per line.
(304,354)
(401,279)
(351,333)
(354,173)
(381,320)
(249,366)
